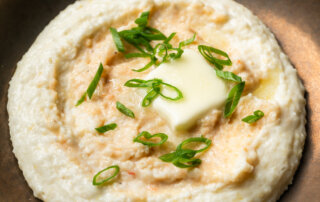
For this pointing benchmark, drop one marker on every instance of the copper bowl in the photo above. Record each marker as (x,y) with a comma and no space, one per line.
(296,25)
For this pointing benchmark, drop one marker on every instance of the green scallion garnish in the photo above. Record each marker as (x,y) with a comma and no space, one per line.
(235,93)
(258,114)
(117,39)
(228,76)
(141,36)
(183,157)
(171,88)
(233,99)
(155,87)
(92,86)
(148,136)
(106,128)
(123,109)
(147,66)
(142,21)
(167,41)
(188,41)
(206,52)
(95,180)
(147,100)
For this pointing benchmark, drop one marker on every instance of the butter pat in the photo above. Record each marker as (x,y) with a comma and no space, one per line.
(202,89)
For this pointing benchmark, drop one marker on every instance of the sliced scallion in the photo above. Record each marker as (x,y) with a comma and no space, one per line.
(148,136)
(95,180)
(93,85)
(106,128)
(258,114)
(123,109)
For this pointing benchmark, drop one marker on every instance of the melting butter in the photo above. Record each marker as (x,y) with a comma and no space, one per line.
(268,85)
(201,88)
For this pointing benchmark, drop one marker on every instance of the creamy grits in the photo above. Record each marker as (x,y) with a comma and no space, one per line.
(59,150)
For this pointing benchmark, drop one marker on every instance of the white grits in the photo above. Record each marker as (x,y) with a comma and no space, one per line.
(59,151)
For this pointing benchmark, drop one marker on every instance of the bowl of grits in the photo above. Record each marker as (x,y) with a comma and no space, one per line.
(158,100)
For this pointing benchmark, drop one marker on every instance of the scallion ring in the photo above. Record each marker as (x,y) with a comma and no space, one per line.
(95,180)
(151,95)
(206,52)
(183,157)
(201,139)
(92,86)
(148,136)
(171,87)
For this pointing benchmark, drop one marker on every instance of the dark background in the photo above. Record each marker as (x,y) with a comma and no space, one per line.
(295,23)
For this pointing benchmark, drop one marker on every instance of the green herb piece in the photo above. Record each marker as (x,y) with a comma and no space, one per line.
(175,55)
(153,34)
(142,21)
(138,83)
(228,76)
(147,100)
(173,88)
(201,139)
(106,128)
(123,109)
(187,42)
(147,66)
(167,41)
(117,39)
(82,99)
(141,36)
(181,162)
(160,50)
(93,85)
(148,136)
(183,158)
(206,52)
(116,171)
(156,87)
(137,55)
(253,118)
(233,99)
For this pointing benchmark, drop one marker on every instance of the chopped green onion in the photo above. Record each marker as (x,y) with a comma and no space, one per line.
(233,99)
(136,55)
(253,118)
(147,66)
(201,139)
(187,42)
(93,85)
(151,95)
(169,38)
(186,163)
(116,171)
(176,55)
(206,52)
(179,161)
(117,39)
(148,136)
(156,86)
(138,83)
(183,158)
(160,50)
(141,36)
(142,21)
(228,76)
(179,93)
(123,109)
(106,128)
(81,100)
